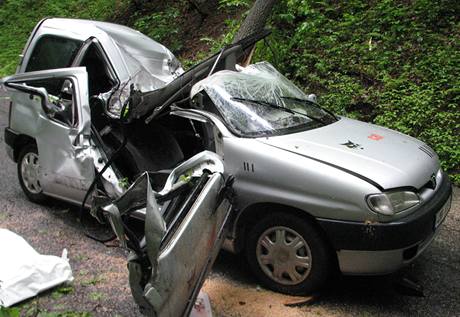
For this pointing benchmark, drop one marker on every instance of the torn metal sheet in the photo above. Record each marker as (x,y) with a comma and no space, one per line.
(26,273)
(194,167)
(161,284)
(151,66)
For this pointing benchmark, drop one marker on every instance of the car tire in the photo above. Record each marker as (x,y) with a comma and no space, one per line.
(280,243)
(28,173)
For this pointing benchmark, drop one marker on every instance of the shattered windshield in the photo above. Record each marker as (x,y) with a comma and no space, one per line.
(259,101)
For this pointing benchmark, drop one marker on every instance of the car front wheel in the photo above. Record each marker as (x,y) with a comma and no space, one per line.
(288,254)
(28,174)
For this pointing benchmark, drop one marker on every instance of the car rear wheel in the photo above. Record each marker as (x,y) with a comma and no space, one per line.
(288,254)
(28,174)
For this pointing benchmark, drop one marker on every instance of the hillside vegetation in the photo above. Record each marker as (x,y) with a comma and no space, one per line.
(393,63)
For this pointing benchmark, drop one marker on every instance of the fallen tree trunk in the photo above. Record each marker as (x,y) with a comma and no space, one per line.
(256,19)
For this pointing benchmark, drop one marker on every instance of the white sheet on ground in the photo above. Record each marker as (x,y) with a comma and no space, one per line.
(24,272)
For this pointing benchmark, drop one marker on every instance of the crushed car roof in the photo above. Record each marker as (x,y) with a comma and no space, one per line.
(122,34)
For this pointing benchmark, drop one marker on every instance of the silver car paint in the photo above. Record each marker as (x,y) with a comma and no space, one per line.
(278,171)
(66,164)
(392,161)
(281,177)
(107,34)
(59,185)
(199,233)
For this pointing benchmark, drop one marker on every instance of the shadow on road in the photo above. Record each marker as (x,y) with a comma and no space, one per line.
(372,291)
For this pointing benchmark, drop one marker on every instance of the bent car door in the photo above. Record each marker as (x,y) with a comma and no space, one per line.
(51,106)
(180,234)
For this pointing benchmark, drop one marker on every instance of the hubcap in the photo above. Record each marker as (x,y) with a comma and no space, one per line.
(30,170)
(284,255)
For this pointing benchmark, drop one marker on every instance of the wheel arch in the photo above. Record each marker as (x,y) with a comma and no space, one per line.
(21,141)
(247,218)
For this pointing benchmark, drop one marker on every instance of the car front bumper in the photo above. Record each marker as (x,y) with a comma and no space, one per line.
(381,248)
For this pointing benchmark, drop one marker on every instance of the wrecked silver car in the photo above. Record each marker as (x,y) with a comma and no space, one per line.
(314,191)
(69,146)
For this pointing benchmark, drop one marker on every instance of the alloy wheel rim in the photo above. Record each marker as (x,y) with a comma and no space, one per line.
(284,255)
(30,170)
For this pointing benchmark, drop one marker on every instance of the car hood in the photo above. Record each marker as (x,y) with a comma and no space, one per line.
(384,157)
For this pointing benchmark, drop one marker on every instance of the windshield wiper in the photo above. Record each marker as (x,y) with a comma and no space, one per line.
(311,103)
(264,103)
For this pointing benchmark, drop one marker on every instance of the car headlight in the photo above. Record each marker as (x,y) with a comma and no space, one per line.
(392,202)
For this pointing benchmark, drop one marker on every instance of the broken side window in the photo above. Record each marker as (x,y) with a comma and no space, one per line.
(61,93)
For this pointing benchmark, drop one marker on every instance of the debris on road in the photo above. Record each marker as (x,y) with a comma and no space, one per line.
(302,301)
(407,285)
(202,307)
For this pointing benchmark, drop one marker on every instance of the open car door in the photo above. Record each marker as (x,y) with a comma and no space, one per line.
(52,106)
(182,229)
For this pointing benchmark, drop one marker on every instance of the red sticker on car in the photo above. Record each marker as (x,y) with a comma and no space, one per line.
(375,137)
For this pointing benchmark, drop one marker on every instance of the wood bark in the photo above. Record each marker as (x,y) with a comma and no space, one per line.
(256,19)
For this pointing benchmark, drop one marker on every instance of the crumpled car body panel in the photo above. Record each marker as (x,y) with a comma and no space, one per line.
(141,79)
(173,256)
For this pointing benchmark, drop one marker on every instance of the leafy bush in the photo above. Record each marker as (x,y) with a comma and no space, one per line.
(161,26)
(233,3)
(393,63)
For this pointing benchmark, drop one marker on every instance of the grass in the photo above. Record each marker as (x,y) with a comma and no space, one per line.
(18,18)
(96,296)
(92,281)
(393,63)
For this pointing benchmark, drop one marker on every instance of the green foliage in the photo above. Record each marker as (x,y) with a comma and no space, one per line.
(62,291)
(9,312)
(233,3)
(18,18)
(161,26)
(96,296)
(217,44)
(92,281)
(124,183)
(393,63)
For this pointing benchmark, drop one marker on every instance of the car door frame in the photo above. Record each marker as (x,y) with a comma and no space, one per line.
(165,277)
(65,152)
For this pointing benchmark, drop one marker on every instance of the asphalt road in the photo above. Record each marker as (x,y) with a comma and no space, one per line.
(101,280)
